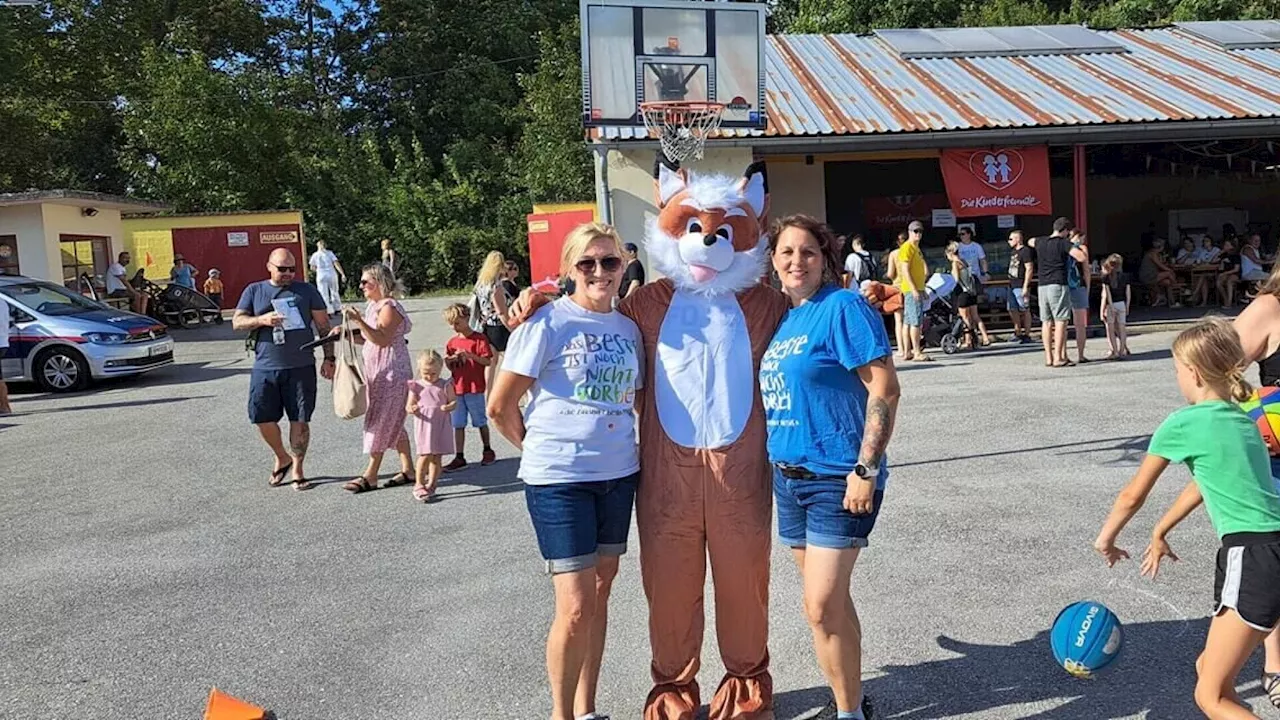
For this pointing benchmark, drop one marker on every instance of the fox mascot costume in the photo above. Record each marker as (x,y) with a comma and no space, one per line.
(706,486)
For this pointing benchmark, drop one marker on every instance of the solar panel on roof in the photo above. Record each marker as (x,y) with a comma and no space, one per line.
(998,42)
(1236,34)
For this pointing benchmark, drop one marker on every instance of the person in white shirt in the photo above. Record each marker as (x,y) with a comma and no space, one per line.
(972,254)
(859,265)
(118,285)
(329,273)
(582,363)
(5,408)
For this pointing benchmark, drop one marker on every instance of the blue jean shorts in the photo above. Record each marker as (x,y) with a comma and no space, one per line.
(912,312)
(470,404)
(812,513)
(1079,298)
(274,394)
(577,522)
(1017,300)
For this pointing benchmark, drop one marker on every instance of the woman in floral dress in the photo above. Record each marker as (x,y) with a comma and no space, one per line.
(387,372)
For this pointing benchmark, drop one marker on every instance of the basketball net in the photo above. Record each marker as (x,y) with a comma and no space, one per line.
(681,127)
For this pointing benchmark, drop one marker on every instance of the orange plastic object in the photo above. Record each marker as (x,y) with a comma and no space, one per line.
(224,707)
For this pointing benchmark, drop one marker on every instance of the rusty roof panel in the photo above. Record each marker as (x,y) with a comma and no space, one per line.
(858,85)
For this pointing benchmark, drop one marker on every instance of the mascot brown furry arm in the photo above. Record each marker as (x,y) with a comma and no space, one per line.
(706,488)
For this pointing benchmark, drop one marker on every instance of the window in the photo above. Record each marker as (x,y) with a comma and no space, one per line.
(84,255)
(8,255)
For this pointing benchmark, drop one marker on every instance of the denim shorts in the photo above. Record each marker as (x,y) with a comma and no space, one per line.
(577,522)
(274,394)
(912,312)
(811,512)
(1017,300)
(1055,303)
(470,404)
(1079,298)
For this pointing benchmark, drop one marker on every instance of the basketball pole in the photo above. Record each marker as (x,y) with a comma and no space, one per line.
(604,203)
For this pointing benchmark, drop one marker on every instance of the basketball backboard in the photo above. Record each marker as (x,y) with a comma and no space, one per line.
(636,51)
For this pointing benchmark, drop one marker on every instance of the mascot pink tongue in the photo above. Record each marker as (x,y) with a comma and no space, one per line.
(705,488)
(702,273)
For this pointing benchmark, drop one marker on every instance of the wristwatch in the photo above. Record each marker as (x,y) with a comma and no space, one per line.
(864,472)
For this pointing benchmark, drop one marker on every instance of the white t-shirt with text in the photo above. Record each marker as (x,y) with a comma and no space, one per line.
(115,278)
(580,420)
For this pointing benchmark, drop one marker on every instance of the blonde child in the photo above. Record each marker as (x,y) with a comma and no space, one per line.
(1231,473)
(431,400)
(467,354)
(1116,299)
(213,286)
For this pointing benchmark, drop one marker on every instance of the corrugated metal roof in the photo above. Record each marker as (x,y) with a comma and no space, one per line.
(836,85)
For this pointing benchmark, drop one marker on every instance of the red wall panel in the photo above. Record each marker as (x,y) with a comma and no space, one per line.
(207,248)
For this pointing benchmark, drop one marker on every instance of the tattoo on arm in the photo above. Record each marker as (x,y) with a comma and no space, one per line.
(877,430)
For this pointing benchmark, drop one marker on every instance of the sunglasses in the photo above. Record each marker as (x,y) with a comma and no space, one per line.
(608,264)
(286,268)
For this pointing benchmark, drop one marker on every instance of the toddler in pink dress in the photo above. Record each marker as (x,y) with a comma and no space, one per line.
(431,400)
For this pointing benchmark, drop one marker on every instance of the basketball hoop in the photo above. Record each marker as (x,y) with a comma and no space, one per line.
(681,127)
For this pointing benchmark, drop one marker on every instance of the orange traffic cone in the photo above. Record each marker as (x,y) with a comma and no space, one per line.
(224,707)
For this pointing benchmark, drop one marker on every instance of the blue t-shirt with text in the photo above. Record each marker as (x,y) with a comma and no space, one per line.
(815,404)
(256,300)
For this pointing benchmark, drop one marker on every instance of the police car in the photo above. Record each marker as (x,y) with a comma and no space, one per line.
(63,340)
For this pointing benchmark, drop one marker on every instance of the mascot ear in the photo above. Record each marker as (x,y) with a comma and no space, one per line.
(754,191)
(669,183)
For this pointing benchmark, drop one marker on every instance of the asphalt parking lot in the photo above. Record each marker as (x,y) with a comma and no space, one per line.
(146,560)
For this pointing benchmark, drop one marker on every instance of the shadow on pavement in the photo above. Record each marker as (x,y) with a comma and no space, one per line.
(1154,677)
(113,405)
(1126,444)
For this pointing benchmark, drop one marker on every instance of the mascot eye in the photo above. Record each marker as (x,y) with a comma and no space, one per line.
(694,226)
(726,232)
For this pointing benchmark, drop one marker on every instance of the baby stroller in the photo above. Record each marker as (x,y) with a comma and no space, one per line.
(176,305)
(942,325)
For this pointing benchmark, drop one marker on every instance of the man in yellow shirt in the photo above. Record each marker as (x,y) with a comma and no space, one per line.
(912,278)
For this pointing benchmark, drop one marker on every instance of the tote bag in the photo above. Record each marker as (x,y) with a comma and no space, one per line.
(350,397)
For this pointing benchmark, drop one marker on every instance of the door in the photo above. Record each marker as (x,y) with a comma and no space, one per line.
(88,255)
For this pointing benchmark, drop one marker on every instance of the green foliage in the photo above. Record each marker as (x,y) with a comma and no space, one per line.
(433,123)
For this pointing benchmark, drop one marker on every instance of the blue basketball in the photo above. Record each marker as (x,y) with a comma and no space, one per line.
(1086,637)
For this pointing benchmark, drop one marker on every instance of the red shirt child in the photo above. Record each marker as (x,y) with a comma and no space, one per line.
(468,375)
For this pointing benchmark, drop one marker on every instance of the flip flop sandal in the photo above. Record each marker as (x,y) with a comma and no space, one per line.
(397,480)
(302,484)
(421,493)
(1271,686)
(359,485)
(277,476)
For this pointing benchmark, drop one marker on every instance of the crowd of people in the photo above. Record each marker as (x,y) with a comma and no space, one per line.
(579,365)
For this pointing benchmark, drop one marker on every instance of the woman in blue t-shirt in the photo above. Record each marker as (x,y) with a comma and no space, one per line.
(830,394)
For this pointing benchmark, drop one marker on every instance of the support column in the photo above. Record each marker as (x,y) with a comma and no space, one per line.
(1081,165)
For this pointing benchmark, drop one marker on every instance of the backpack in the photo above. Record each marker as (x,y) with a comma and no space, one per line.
(968,281)
(1074,279)
(870,268)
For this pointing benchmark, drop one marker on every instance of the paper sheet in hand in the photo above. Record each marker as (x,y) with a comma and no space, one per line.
(288,309)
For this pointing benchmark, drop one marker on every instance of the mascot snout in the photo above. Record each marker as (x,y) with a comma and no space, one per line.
(707,255)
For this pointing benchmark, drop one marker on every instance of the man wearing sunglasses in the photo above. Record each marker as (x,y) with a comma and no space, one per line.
(282,314)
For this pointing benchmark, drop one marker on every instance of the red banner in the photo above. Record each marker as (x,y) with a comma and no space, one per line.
(999,181)
(896,212)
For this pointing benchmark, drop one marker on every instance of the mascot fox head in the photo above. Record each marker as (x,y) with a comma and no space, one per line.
(709,236)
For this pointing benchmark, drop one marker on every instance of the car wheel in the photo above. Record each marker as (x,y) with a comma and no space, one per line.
(61,370)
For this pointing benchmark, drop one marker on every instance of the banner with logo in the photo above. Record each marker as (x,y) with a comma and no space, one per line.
(896,212)
(998,181)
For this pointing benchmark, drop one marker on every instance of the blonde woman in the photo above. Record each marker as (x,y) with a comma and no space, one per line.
(491,295)
(582,362)
(387,372)
(967,297)
(390,258)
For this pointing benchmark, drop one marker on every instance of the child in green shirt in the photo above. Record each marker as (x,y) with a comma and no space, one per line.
(1232,477)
